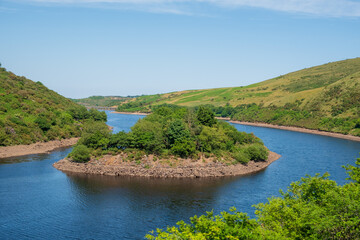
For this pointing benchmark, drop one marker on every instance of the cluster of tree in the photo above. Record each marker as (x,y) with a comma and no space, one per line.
(177,131)
(312,208)
(30,112)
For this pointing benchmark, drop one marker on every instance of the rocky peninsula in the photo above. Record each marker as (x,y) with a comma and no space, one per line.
(149,166)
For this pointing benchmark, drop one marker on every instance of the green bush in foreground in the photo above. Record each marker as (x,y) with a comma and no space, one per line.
(312,208)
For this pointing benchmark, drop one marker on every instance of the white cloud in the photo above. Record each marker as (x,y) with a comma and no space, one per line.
(329,8)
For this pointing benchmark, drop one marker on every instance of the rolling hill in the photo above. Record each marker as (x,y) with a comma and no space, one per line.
(102,101)
(30,112)
(324,97)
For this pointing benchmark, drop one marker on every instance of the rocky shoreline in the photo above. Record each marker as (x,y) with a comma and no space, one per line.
(298,129)
(114,166)
(36,148)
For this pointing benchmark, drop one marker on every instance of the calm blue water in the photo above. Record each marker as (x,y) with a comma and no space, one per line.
(37,201)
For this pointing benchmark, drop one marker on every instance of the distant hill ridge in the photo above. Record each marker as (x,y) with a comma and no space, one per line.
(324,97)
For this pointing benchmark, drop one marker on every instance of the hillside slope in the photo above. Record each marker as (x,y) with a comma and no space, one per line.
(30,112)
(101,101)
(324,97)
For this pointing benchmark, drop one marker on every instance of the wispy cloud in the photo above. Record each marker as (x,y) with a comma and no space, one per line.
(328,8)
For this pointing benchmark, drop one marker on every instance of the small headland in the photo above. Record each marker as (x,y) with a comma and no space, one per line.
(36,148)
(150,166)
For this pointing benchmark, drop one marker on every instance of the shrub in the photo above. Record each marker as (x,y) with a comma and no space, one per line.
(257,152)
(184,148)
(80,153)
(241,157)
(43,123)
(206,116)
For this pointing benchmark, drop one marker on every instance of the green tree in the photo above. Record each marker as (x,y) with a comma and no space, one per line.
(183,147)
(80,153)
(120,140)
(148,136)
(206,116)
(177,131)
(211,139)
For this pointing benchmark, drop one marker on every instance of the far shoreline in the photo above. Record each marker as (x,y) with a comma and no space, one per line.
(298,129)
(130,113)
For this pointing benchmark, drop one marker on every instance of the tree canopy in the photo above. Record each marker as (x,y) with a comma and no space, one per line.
(181,132)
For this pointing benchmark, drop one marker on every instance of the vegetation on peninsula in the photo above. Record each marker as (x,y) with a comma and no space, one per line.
(174,131)
(312,208)
(323,98)
(30,112)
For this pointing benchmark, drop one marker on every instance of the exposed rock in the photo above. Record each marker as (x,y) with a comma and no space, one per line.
(116,166)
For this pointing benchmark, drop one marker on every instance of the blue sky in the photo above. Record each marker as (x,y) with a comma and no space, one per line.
(81,48)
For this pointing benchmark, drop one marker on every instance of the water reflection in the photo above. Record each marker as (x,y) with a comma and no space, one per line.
(37,201)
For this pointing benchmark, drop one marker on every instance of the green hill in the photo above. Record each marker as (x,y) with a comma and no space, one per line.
(324,97)
(30,112)
(102,101)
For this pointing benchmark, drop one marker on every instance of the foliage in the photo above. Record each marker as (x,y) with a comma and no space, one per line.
(324,98)
(227,225)
(178,131)
(205,116)
(100,101)
(30,112)
(354,171)
(80,153)
(312,208)
(257,152)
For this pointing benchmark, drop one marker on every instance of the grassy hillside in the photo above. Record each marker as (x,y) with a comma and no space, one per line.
(30,112)
(324,97)
(101,101)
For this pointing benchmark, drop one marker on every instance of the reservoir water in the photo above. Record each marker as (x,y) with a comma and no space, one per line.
(39,202)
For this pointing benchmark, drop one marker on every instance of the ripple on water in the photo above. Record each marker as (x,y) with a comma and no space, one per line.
(39,202)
